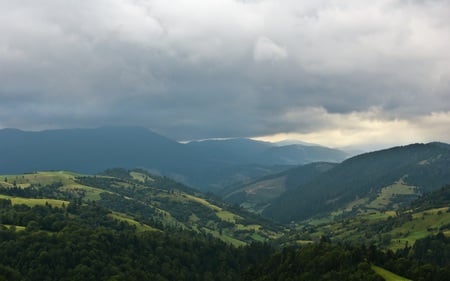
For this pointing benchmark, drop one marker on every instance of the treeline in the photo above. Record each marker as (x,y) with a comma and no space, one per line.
(38,191)
(321,262)
(82,242)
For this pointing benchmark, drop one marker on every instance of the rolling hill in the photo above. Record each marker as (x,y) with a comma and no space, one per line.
(146,201)
(207,165)
(361,180)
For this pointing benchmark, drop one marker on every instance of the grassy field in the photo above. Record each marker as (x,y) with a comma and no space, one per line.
(388,194)
(33,202)
(139,226)
(387,275)
(67,179)
(215,219)
(140,176)
(17,227)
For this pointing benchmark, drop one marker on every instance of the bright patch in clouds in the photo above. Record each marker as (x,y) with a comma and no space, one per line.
(364,131)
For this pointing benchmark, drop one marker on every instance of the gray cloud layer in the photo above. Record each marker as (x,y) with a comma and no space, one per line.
(220,68)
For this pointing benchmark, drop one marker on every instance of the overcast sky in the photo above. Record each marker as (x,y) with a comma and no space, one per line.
(335,72)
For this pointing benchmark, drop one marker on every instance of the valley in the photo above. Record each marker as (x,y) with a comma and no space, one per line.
(374,205)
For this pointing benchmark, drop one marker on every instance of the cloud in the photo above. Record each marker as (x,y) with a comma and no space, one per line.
(267,50)
(367,131)
(200,68)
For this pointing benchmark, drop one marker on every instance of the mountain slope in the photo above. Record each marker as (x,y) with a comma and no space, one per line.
(142,199)
(258,194)
(425,166)
(85,150)
(208,165)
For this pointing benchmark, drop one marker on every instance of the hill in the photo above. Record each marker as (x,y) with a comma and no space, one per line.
(258,194)
(142,199)
(207,165)
(398,230)
(400,174)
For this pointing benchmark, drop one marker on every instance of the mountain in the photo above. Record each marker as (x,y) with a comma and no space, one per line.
(208,165)
(246,151)
(258,194)
(411,170)
(86,150)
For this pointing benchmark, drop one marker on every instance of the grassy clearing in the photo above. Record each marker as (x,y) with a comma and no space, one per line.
(222,214)
(43,178)
(387,275)
(380,215)
(422,225)
(224,237)
(17,227)
(92,193)
(228,216)
(254,227)
(139,226)
(204,202)
(387,194)
(33,202)
(67,179)
(140,177)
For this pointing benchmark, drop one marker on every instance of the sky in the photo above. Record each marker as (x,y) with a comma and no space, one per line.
(340,73)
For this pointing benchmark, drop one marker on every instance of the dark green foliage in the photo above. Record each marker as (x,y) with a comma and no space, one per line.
(118,173)
(322,261)
(436,199)
(83,243)
(39,191)
(421,165)
(427,260)
(292,178)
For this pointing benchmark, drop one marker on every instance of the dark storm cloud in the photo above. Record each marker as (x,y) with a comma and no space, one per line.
(198,68)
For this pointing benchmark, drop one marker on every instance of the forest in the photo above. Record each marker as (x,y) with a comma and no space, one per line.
(83,242)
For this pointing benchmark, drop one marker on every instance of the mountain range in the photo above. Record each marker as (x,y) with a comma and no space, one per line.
(207,165)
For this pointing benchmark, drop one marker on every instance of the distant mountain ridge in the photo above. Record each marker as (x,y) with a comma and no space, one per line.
(208,165)
(424,166)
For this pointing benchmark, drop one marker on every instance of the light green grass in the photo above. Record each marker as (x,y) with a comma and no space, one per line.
(387,194)
(222,214)
(67,179)
(387,275)
(254,227)
(33,202)
(17,227)
(140,177)
(224,237)
(203,201)
(139,226)
(228,216)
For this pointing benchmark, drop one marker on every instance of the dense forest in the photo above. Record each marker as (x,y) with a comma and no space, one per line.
(131,225)
(82,242)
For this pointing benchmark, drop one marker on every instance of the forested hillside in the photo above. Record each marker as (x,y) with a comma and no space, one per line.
(146,200)
(258,194)
(83,242)
(424,167)
(131,225)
